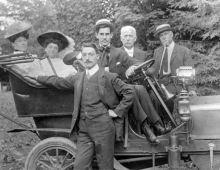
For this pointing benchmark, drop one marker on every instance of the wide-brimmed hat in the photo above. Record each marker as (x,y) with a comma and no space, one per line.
(17,28)
(162,28)
(53,35)
(103,22)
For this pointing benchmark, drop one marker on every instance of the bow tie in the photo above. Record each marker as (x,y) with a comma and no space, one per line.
(104,58)
(106,49)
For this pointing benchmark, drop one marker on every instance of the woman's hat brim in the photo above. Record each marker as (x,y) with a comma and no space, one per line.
(17,28)
(55,35)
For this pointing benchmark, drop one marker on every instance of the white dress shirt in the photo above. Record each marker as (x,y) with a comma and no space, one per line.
(93,70)
(130,51)
(169,51)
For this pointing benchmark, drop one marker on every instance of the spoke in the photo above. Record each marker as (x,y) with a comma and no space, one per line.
(64,159)
(51,161)
(57,156)
(68,166)
(44,164)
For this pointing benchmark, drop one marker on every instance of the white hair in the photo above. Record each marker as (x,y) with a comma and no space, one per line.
(128,27)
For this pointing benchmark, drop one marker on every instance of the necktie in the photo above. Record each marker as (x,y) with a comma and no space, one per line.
(164,64)
(88,75)
(104,56)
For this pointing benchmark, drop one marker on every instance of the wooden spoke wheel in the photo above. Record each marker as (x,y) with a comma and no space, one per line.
(55,153)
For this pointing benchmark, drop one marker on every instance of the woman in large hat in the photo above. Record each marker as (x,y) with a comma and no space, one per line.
(18,34)
(54,44)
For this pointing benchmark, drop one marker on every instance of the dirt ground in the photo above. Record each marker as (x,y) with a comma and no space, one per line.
(14,147)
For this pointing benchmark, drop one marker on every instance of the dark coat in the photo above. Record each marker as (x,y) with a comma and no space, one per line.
(181,56)
(119,62)
(139,54)
(110,87)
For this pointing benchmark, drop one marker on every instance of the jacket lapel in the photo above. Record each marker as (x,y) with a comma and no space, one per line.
(135,53)
(101,82)
(160,53)
(174,53)
(112,53)
(78,90)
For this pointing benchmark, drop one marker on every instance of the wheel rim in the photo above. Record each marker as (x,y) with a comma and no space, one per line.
(54,158)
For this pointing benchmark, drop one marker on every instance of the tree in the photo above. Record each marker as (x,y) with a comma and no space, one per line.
(197,26)
(196,23)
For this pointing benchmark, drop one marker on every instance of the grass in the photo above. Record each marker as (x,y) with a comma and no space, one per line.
(14,147)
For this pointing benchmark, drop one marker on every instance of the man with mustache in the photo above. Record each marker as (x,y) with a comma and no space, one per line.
(100,101)
(168,58)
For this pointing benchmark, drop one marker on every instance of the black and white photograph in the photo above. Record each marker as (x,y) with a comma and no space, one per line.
(109,84)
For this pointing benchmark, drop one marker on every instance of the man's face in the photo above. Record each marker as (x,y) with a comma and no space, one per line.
(104,36)
(128,38)
(20,44)
(166,38)
(89,57)
(52,50)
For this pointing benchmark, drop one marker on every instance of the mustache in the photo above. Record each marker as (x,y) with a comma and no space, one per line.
(87,61)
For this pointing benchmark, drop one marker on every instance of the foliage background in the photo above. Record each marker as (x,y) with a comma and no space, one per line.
(196,23)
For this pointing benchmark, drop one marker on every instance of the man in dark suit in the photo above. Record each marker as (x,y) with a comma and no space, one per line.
(128,37)
(168,58)
(96,105)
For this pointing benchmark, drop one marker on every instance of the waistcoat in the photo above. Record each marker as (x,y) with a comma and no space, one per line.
(91,104)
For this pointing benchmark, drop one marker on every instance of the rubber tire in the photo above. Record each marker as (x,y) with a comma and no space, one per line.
(64,143)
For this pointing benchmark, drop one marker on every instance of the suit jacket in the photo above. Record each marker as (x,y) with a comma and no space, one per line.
(114,93)
(119,62)
(139,54)
(181,56)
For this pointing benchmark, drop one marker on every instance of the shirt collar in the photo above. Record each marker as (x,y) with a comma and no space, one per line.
(126,49)
(129,51)
(171,46)
(93,70)
(104,46)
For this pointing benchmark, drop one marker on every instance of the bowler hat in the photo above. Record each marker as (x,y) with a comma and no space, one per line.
(103,22)
(17,28)
(162,28)
(53,35)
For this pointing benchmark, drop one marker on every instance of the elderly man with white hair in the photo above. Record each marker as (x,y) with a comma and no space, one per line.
(128,38)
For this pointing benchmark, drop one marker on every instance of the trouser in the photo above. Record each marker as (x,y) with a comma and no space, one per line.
(158,107)
(95,137)
(143,107)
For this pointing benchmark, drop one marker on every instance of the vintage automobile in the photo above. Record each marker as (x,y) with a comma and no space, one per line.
(196,136)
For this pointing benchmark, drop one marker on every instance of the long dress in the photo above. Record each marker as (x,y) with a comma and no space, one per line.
(34,67)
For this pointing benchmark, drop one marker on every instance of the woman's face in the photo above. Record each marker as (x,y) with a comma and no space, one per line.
(52,50)
(20,44)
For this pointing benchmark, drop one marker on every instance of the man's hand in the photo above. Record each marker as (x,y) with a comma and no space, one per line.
(130,71)
(112,113)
